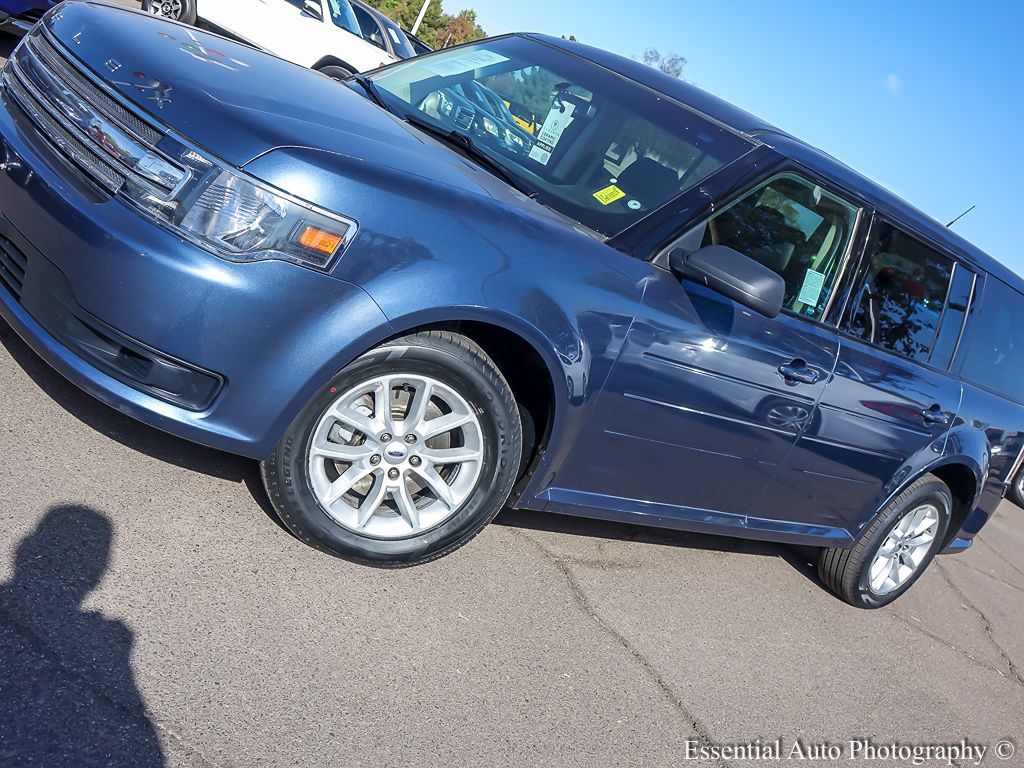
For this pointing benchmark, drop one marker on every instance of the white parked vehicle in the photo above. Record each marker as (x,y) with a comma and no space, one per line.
(324,35)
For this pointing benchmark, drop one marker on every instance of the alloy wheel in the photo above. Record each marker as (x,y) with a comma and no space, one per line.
(904,549)
(169,9)
(395,456)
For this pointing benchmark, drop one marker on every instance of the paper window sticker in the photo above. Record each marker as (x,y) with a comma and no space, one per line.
(466,62)
(810,292)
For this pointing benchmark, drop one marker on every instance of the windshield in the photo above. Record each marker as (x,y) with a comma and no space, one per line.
(604,150)
(343,16)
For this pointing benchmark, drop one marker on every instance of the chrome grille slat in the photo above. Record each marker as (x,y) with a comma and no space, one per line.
(102,139)
(72,148)
(92,94)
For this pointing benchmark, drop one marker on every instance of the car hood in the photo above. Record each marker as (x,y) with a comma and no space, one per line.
(239,103)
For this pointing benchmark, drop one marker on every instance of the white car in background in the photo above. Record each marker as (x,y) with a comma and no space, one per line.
(325,35)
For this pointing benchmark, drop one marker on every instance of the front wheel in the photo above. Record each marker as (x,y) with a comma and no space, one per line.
(894,550)
(175,10)
(403,457)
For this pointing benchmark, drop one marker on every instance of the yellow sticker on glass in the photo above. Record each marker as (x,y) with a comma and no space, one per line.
(609,195)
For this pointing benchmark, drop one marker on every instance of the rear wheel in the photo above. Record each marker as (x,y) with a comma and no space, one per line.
(1016,493)
(891,553)
(335,72)
(176,10)
(403,457)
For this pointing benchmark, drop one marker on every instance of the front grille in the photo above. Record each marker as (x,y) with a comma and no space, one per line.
(105,141)
(13,264)
(93,95)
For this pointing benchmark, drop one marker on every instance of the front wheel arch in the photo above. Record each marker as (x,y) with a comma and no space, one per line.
(334,61)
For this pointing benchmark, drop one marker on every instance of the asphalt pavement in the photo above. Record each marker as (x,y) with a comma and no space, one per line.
(153,612)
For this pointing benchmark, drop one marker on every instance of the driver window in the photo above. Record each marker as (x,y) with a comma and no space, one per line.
(371,31)
(792,226)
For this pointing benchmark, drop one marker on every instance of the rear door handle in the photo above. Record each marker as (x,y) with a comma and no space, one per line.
(935,415)
(799,372)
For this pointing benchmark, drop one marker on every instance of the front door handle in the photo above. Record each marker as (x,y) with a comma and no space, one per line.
(799,372)
(935,415)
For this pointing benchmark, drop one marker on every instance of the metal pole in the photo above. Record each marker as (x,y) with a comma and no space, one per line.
(419,19)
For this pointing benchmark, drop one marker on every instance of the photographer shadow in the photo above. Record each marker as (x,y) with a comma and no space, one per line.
(68,696)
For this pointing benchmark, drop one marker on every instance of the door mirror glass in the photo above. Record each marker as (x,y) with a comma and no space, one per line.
(314,9)
(735,276)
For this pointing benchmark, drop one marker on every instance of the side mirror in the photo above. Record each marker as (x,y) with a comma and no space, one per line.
(732,274)
(313,8)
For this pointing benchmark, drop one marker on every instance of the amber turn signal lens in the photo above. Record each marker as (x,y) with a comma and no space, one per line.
(320,240)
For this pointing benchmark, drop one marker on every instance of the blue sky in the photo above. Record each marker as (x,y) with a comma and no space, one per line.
(925,97)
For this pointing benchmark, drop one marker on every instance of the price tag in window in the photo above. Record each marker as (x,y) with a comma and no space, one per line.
(810,293)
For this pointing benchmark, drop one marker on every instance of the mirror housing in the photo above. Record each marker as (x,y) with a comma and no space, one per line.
(734,275)
(313,8)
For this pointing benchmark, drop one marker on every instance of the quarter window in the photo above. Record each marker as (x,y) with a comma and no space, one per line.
(995,357)
(901,302)
(794,227)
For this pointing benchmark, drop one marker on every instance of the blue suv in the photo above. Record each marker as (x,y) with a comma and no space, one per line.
(654,308)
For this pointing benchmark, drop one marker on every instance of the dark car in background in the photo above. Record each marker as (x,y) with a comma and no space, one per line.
(667,312)
(18,16)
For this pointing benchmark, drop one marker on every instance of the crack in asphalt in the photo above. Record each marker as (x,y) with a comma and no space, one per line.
(962,564)
(999,555)
(41,647)
(943,641)
(989,629)
(584,603)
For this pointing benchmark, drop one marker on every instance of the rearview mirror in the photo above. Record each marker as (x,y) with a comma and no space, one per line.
(734,275)
(313,8)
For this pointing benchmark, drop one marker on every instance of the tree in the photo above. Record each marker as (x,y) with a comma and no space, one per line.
(672,64)
(438,28)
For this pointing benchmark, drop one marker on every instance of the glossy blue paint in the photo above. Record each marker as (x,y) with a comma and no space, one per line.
(666,395)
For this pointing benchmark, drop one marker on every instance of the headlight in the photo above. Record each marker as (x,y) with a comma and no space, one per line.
(239,219)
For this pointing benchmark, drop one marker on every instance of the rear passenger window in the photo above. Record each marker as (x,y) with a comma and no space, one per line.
(995,355)
(795,228)
(901,302)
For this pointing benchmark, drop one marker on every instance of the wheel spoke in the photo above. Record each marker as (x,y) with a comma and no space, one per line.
(383,417)
(879,572)
(372,502)
(443,424)
(894,571)
(450,455)
(406,505)
(436,484)
(344,483)
(340,452)
(920,539)
(417,412)
(352,418)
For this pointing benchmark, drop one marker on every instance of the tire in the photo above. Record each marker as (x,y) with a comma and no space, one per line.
(848,572)
(335,72)
(1016,492)
(176,10)
(416,519)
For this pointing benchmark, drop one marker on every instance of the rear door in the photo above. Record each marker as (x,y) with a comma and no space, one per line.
(891,396)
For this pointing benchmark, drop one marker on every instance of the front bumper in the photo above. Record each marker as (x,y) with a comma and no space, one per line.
(268,333)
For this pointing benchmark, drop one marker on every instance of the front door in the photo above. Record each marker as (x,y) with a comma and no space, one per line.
(708,397)
(891,401)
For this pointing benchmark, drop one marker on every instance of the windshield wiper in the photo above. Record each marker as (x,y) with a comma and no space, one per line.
(371,90)
(465,143)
